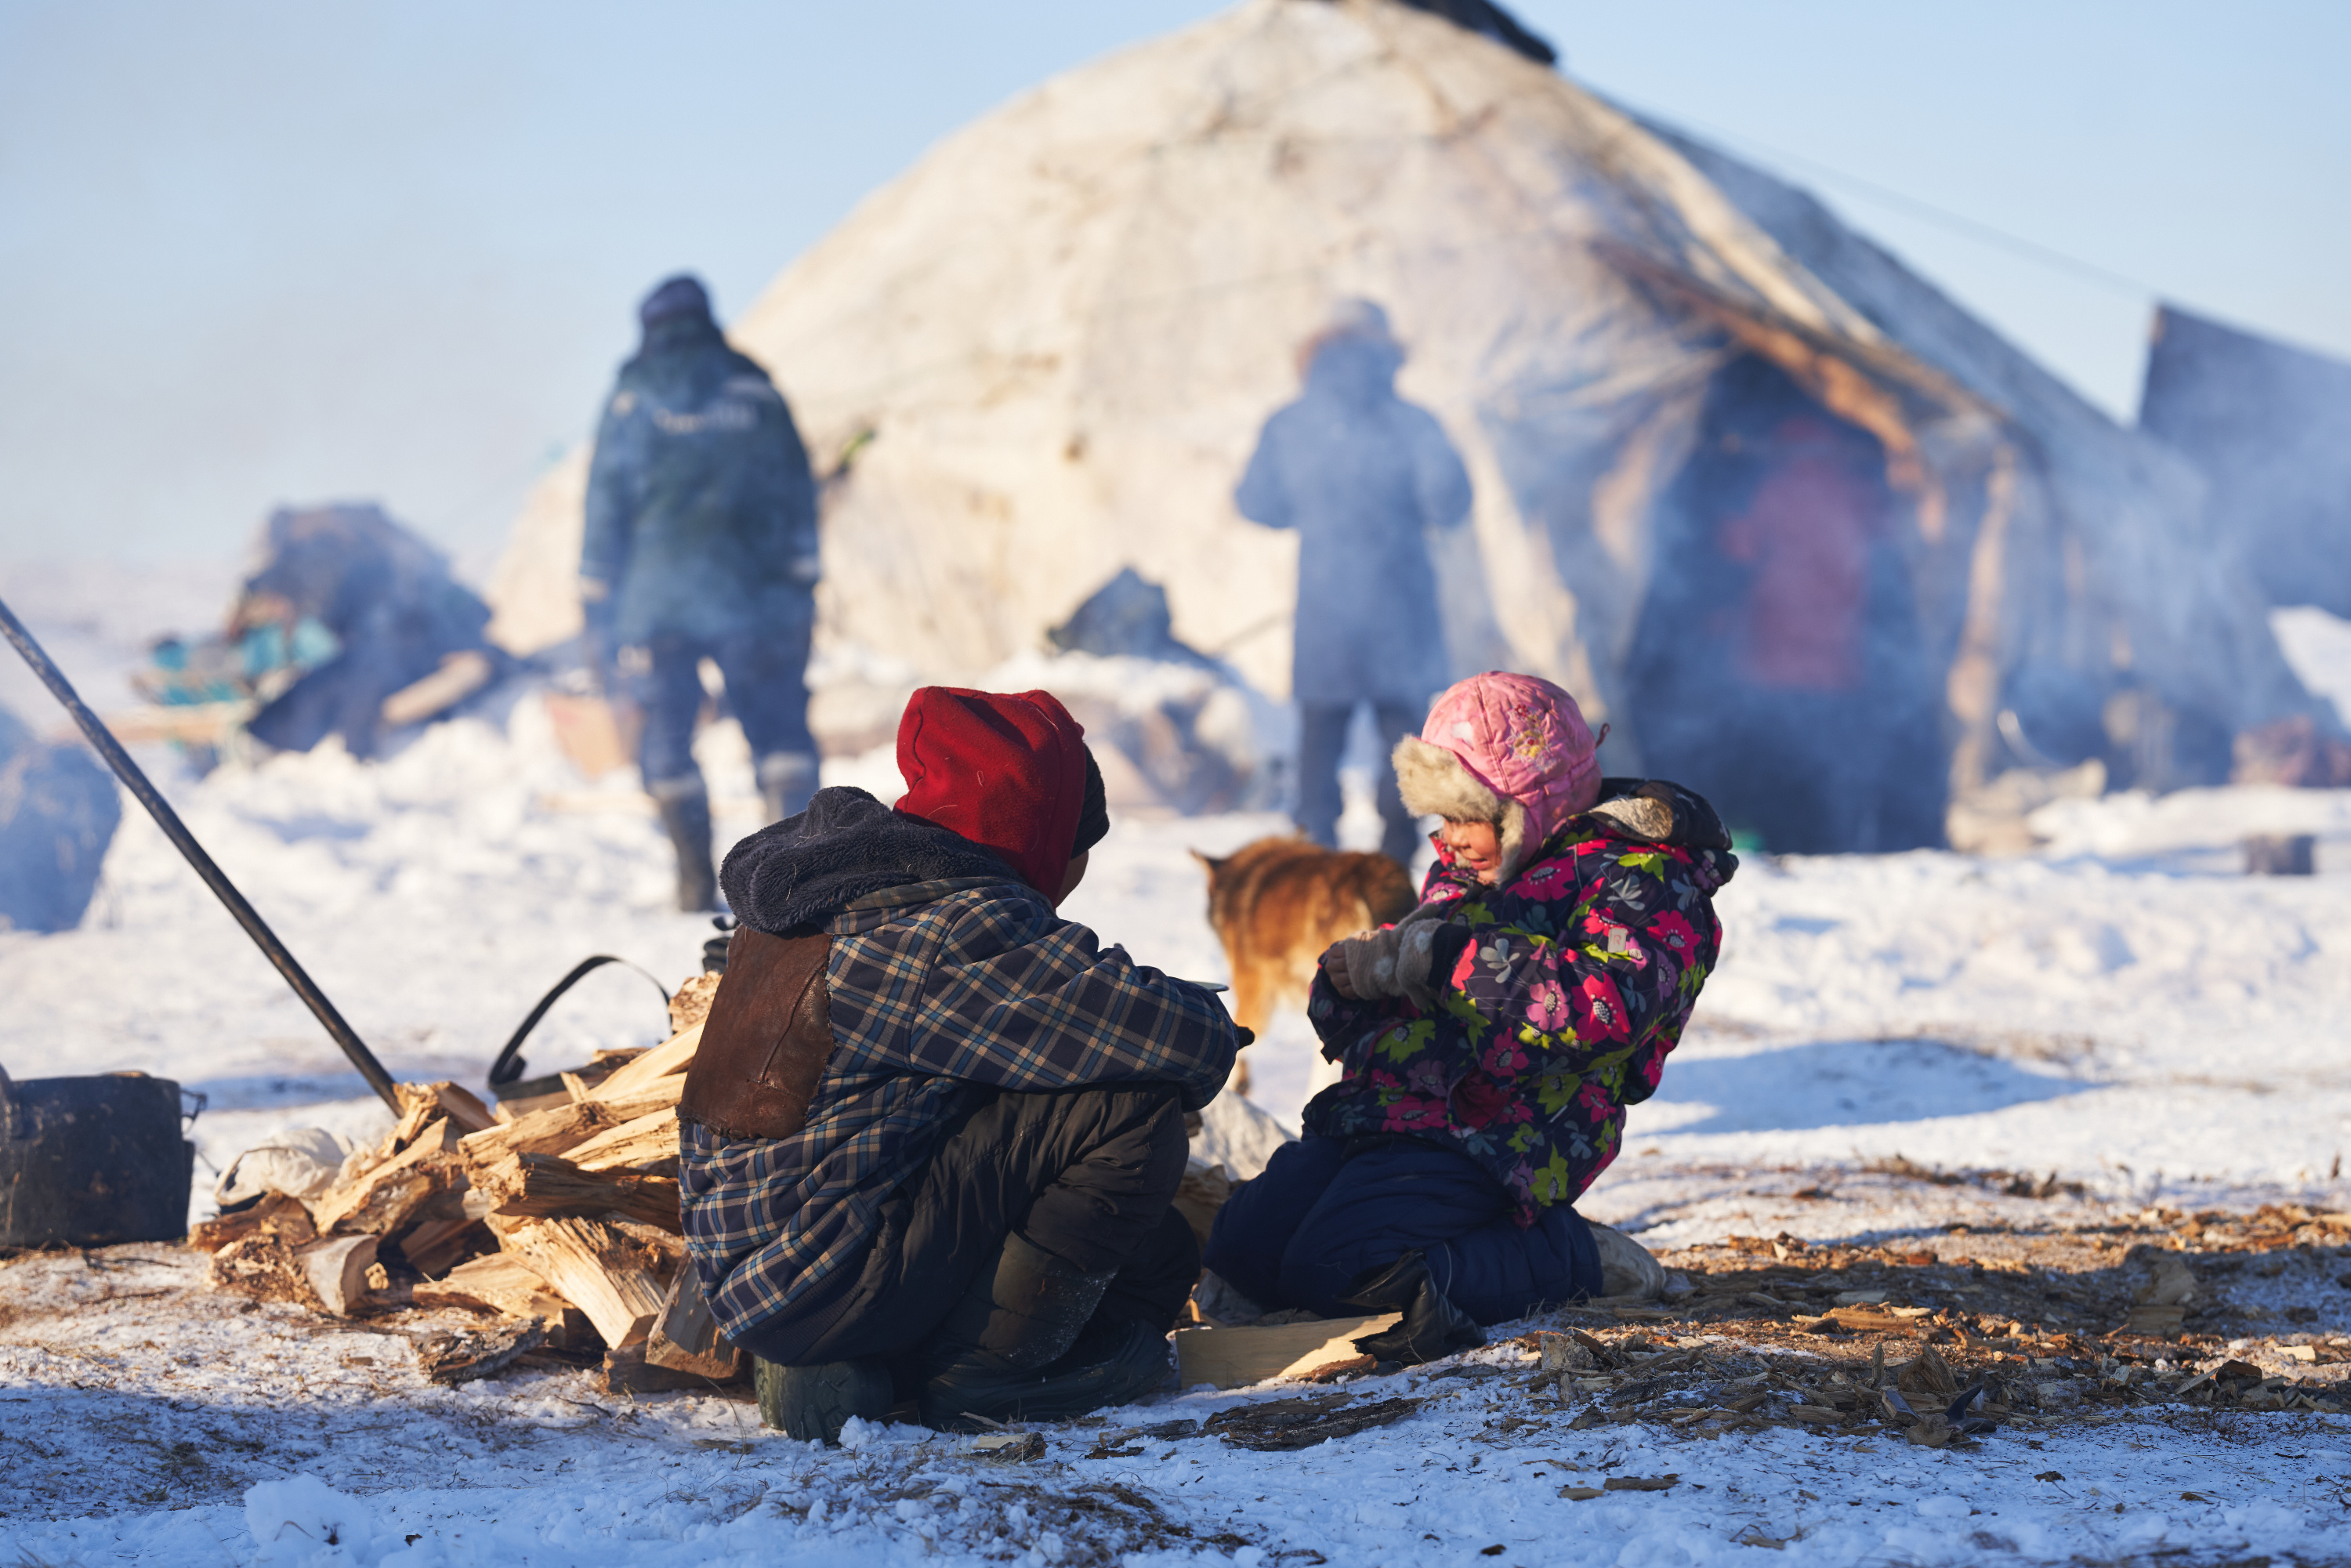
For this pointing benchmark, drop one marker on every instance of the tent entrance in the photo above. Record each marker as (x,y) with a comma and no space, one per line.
(1779,666)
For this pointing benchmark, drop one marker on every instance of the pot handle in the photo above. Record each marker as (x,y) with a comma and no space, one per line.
(192,1105)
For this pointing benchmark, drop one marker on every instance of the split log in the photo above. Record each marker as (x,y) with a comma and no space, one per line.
(273,1214)
(395,1193)
(497,1282)
(335,1267)
(649,1141)
(558,1129)
(549,1186)
(502,1282)
(422,1103)
(437,1245)
(598,1267)
(691,1002)
(685,1337)
(674,1055)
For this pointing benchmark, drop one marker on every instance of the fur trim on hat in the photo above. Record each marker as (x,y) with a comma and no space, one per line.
(1434,783)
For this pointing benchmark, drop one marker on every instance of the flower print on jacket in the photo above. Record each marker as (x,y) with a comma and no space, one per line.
(1547,1006)
(1565,992)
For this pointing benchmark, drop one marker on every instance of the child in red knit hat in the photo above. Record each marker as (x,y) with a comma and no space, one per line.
(931,1140)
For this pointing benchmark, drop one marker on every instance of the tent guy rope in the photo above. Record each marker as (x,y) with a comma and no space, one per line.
(135,780)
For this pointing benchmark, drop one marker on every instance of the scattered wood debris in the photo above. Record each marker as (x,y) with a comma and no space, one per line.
(1303,1423)
(463,1356)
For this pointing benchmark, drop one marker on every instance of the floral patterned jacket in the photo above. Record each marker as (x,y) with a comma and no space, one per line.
(1563,991)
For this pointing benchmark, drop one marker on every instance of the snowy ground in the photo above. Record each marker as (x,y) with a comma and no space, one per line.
(2125,1010)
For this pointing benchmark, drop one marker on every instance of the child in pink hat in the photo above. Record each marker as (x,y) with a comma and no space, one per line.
(1491,1041)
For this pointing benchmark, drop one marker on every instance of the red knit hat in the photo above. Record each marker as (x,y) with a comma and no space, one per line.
(1007,771)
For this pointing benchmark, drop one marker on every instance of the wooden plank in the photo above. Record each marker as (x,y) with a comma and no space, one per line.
(1239,1357)
(648,1141)
(674,1055)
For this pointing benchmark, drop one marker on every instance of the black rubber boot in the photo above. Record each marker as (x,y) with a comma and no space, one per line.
(1432,1326)
(1019,1318)
(1113,1362)
(686,815)
(813,1403)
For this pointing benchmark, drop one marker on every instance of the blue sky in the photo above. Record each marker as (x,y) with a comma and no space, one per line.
(256,252)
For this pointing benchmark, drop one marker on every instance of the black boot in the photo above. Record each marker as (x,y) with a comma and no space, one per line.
(813,1403)
(1114,1361)
(1021,1316)
(1432,1326)
(686,815)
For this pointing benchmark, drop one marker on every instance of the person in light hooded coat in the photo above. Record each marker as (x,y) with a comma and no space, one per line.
(1364,478)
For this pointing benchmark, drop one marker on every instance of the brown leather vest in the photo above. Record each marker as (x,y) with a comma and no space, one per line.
(767,1039)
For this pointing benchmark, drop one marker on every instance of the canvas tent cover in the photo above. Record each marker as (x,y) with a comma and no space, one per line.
(1051,344)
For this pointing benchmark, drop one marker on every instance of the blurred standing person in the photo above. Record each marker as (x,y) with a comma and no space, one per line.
(1363,476)
(701,543)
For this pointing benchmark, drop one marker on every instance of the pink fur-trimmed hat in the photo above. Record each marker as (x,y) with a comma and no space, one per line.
(1509,749)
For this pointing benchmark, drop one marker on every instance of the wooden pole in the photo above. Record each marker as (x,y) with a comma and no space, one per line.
(145,793)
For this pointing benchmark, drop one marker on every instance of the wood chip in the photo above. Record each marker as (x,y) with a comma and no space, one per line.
(1641,1483)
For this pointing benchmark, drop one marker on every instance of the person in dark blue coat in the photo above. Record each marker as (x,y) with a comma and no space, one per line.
(701,543)
(1364,476)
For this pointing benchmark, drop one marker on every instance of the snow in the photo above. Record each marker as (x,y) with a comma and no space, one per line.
(2125,1009)
(2318,646)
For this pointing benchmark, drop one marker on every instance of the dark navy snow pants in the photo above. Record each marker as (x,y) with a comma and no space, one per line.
(1326,1209)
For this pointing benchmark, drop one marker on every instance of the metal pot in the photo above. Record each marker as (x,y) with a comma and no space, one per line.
(87,1161)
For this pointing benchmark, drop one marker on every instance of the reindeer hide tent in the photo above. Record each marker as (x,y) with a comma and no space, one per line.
(1044,353)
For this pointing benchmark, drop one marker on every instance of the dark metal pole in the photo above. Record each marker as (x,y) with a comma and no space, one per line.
(185,842)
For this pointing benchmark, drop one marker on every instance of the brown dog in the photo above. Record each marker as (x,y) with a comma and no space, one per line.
(1278,903)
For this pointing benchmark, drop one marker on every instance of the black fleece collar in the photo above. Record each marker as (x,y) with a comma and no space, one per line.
(802,871)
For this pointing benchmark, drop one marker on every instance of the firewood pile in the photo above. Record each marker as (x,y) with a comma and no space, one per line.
(561,1225)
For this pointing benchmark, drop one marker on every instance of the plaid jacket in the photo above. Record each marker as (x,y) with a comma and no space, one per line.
(934,987)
